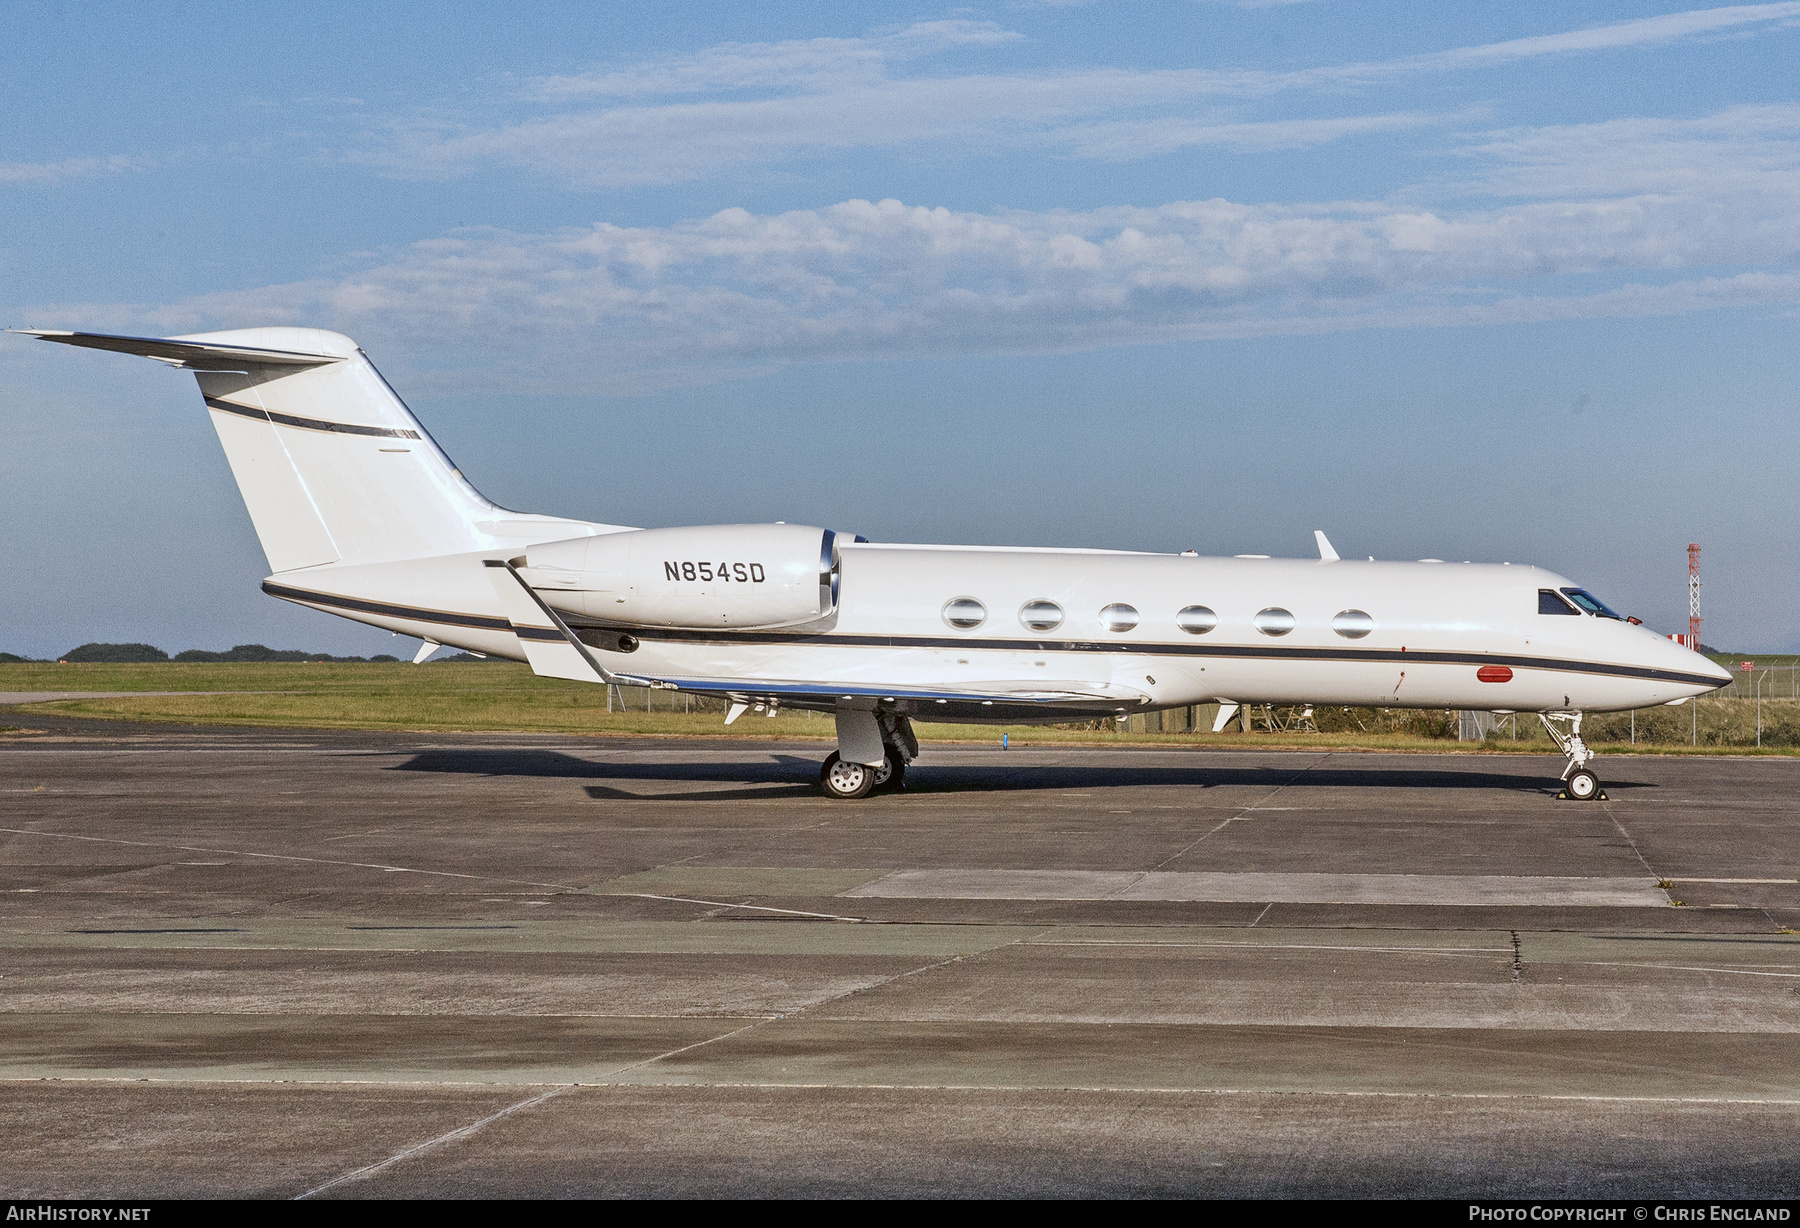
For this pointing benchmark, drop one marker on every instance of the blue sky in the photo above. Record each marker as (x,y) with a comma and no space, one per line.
(1501,282)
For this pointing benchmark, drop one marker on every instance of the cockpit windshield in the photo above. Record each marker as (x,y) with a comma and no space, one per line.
(1590,603)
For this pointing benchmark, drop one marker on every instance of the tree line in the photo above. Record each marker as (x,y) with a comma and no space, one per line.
(149,654)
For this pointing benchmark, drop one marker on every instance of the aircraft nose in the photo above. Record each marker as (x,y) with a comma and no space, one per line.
(1692,663)
(1672,656)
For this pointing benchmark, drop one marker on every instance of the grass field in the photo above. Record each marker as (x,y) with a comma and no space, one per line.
(507,697)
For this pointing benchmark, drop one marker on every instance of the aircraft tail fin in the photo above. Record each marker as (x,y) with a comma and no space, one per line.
(331,463)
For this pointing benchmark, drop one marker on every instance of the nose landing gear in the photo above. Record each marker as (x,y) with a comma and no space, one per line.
(1582,786)
(1579,782)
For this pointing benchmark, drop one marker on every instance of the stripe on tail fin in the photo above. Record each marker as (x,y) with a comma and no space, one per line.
(331,463)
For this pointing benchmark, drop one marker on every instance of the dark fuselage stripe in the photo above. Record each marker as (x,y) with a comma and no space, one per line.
(410,613)
(307,424)
(1254,652)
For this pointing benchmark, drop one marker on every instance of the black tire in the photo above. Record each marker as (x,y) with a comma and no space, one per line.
(890,777)
(1582,785)
(845,781)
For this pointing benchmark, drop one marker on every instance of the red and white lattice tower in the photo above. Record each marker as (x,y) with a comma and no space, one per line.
(1694,596)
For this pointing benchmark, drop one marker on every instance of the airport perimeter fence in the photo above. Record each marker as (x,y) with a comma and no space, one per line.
(1730,718)
(1773,681)
(1760,708)
(621,698)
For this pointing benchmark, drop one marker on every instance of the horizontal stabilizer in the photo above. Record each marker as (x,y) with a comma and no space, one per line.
(191,355)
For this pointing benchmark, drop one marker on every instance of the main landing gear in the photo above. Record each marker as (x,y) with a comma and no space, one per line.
(1579,782)
(847,779)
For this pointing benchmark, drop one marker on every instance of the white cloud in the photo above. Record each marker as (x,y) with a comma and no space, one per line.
(627,146)
(39,173)
(1739,150)
(1714,220)
(795,64)
(1121,140)
(1648,31)
(684,118)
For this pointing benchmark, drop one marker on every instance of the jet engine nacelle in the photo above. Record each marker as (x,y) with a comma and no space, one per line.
(725,575)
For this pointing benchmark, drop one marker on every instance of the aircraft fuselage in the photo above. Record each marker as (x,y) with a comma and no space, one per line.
(1430,635)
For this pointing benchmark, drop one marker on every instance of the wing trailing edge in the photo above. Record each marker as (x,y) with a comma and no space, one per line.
(1033,693)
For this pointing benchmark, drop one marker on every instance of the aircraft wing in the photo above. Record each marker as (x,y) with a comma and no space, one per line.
(555,651)
(1093,697)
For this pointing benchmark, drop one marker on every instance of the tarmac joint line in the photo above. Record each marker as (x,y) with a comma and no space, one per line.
(462,1132)
(789,912)
(324,861)
(369,1170)
(1240,812)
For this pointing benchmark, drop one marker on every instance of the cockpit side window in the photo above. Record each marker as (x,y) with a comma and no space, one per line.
(1550,603)
(1592,604)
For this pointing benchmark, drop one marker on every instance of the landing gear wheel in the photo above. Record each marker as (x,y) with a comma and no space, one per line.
(845,781)
(1582,785)
(890,777)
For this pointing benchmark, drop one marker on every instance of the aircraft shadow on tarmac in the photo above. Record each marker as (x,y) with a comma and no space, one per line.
(792,775)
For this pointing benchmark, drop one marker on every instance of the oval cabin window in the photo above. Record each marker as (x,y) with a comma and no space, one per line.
(964,613)
(1352,624)
(1119,617)
(1041,615)
(1274,621)
(1196,619)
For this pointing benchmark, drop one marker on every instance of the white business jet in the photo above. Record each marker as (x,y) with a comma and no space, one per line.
(363,516)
